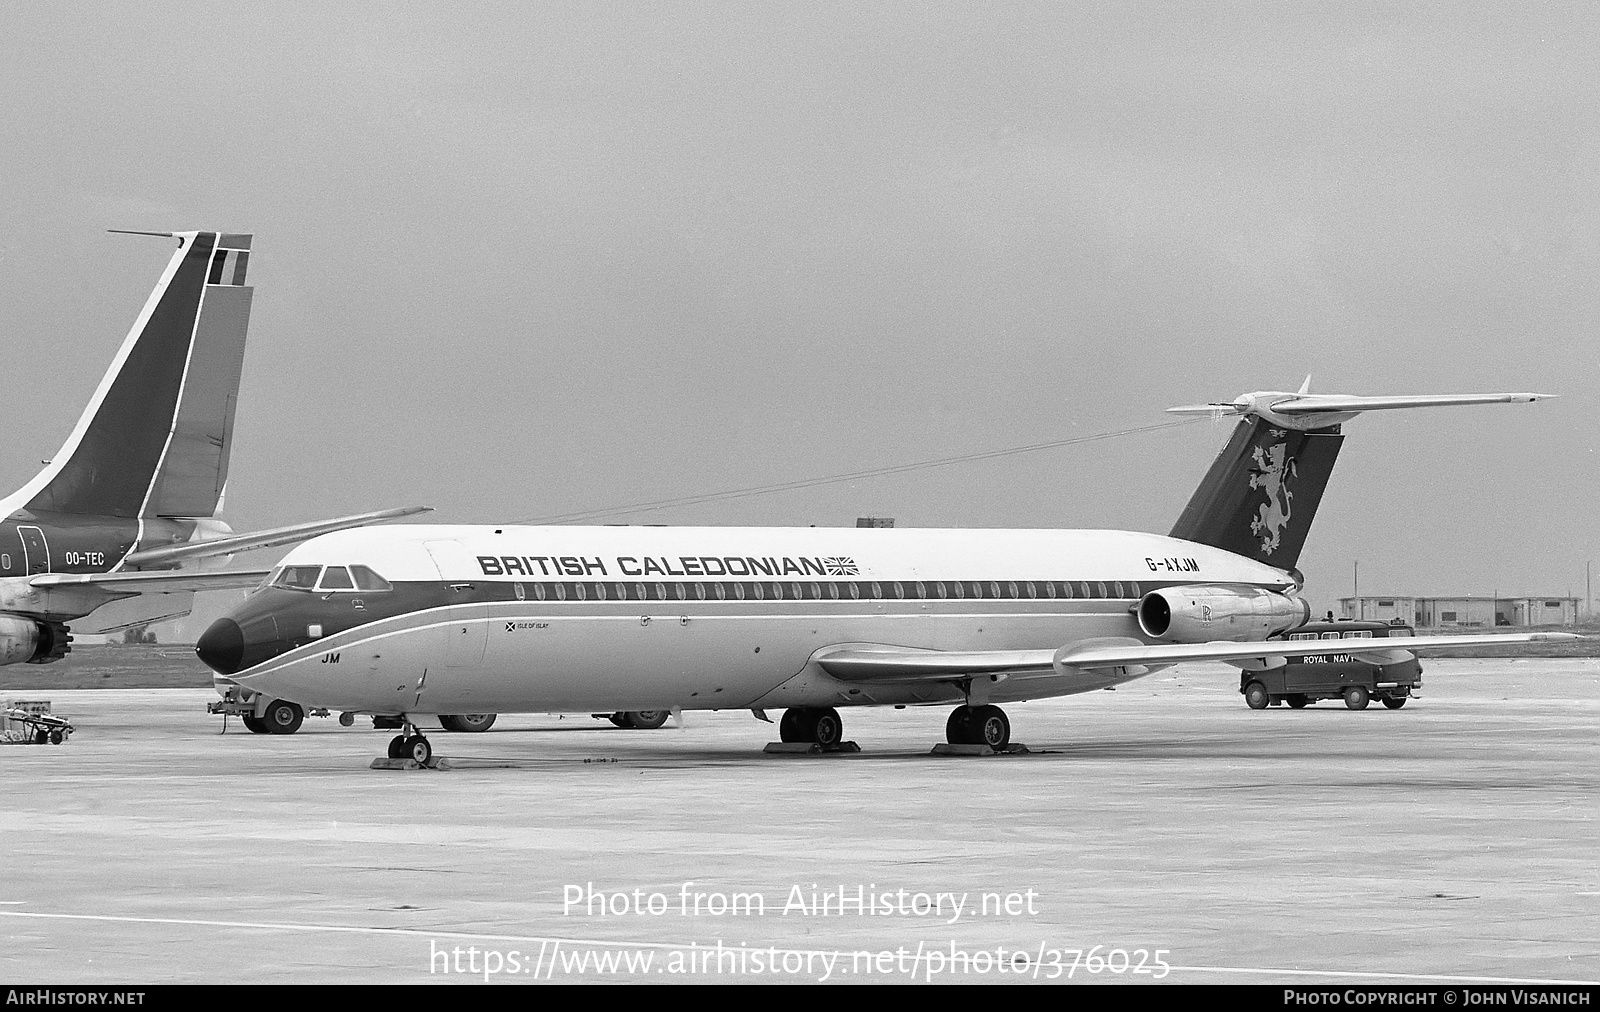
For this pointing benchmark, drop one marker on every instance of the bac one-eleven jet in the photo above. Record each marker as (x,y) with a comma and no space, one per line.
(420,621)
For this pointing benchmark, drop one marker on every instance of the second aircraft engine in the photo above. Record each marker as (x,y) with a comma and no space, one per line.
(1203,613)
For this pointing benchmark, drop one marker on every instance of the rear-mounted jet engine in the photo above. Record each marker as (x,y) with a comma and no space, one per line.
(1202,614)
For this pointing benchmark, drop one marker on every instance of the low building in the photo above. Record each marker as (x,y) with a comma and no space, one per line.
(1467,612)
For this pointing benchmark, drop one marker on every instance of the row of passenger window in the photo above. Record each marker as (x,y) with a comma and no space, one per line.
(363,578)
(831,591)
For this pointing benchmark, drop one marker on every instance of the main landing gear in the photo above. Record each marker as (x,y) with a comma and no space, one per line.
(979,725)
(819,725)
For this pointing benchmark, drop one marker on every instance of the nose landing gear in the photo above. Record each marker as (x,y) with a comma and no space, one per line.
(411,745)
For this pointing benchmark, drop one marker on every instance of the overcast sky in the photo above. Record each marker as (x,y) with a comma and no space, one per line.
(517,261)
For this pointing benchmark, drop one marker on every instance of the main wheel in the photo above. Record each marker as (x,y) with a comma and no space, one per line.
(828,728)
(961,727)
(1394,702)
(254,724)
(397,746)
(418,749)
(791,725)
(992,727)
(471,723)
(1355,697)
(283,717)
(41,736)
(1296,700)
(648,720)
(1255,696)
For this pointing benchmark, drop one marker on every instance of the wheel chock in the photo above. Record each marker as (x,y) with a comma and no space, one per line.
(943,748)
(808,748)
(404,764)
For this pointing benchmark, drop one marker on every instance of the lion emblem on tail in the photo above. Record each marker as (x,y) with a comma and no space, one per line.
(1271,473)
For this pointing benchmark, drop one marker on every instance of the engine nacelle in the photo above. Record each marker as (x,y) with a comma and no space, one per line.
(1204,613)
(28,640)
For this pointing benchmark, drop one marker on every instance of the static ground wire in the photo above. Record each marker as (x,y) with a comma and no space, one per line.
(740,493)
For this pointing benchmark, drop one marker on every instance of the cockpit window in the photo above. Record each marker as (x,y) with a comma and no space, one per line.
(335,578)
(366,579)
(297,577)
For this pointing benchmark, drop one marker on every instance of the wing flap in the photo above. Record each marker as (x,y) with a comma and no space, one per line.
(875,662)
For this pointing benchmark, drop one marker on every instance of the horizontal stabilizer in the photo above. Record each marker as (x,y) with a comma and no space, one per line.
(163,582)
(1304,411)
(171,554)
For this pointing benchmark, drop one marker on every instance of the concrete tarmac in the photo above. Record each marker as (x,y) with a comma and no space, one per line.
(1187,837)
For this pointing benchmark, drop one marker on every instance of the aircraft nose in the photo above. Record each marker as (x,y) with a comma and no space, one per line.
(221,646)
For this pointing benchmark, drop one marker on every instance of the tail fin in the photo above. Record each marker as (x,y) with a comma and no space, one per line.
(1262,492)
(154,440)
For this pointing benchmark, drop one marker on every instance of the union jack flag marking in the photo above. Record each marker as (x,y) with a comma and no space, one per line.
(840,565)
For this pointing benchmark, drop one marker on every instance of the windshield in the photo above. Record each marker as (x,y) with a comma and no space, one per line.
(297,577)
(332,578)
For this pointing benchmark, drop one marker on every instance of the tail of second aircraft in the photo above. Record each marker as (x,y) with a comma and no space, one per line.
(1262,492)
(154,440)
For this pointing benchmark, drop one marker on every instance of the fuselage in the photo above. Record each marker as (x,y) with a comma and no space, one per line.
(455,619)
(40,541)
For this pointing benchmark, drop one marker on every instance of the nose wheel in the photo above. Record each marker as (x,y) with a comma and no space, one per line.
(411,746)
(979,725)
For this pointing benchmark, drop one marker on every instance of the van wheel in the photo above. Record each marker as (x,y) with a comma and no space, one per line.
(1355,697)
(648,720)
(1255,696)
(1394,702)
(1296,701)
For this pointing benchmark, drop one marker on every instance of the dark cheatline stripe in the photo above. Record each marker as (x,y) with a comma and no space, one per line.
(278,619)
(110,471)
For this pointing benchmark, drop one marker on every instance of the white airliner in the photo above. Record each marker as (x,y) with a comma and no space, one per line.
(137,489)
(420,621)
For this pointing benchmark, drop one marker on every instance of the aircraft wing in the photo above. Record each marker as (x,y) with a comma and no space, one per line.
(169,554)
(1114,655)
(874,662)
(158,582)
